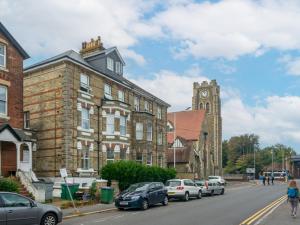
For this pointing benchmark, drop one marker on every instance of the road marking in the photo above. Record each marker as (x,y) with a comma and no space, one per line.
(263,211)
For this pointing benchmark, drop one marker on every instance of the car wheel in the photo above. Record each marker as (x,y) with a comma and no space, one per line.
(166,200)
(186,196)
(145,204)
(222,192)
(49,219)
(199,196)
(211,193)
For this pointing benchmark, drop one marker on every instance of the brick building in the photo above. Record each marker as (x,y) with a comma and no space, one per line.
(88,114)
(16,144)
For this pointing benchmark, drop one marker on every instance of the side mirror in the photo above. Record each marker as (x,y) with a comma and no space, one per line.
(33,204)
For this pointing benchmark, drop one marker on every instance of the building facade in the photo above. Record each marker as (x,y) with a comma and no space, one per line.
(206,96)
(87,114)
(16,143)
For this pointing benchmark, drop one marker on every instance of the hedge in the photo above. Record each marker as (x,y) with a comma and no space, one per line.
(130,172)
(8,185)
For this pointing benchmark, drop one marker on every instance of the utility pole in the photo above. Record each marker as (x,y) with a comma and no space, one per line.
(254,162)
(272,160)
(174,133)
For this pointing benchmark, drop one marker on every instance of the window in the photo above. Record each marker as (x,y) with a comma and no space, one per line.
(85,160)
(207,107)
(2,56)
(149,158)
(85,119)
(84,83)
(110,64)
(123,154)
(139,131)
(118,68)
(139,157)
(160,138)
(107,91)
(136,103)
(110,124)
(3,100)
(160,161)
(26,119)
(110,156)
(123,125)
(149,131)
(159,112)
(121,96)
(201,105)
(12,200)
(147,109)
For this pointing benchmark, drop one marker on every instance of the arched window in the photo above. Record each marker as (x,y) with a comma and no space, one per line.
(201,106)
(207,107)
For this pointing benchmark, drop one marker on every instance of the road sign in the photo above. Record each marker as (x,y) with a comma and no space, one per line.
(63,172)
(250,170)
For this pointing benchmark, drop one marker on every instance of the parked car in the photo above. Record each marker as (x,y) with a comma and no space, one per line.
(183,189)
(215,188)
(203,184)
(218,179)
(17,209)
(142,195)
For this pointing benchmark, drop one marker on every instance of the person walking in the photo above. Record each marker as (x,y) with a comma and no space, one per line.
(264,180)
(293,197)
(272,179)
(268,179)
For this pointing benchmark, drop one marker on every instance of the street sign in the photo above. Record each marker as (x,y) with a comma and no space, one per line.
(63,172)
(250,170)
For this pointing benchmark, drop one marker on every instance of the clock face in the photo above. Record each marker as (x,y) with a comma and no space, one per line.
(204,94)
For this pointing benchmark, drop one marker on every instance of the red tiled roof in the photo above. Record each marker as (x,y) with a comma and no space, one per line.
(187,125)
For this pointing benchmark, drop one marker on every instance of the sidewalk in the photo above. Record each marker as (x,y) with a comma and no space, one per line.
(88,209)
(281,216)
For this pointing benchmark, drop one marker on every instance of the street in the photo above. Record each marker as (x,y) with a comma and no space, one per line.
(237,204)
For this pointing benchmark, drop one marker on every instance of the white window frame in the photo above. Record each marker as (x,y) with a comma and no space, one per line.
(110,64)
(149,131)
(110,159)
(107,91)
(83,119)
(160,161)
(4,56)
(123,125)
(136,103)
(147,109)
(159,112)
(85,87)
(139,160)
(160,138)
(121,96)
(118,68)
(110,124)
(139,131)
(85,159)
(5,101)
(26,119)
(149,163)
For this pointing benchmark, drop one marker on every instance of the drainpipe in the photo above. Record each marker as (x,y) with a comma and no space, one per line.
(98,139)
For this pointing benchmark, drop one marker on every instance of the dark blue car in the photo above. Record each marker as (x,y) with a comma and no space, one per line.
(142,195)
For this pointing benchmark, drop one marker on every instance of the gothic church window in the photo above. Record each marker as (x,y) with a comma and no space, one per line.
(207,108)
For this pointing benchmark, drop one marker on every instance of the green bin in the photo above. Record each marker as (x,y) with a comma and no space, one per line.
(107,195)
(65,193)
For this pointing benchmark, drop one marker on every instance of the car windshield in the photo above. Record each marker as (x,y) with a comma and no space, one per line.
(138,187)
(200,183)
(173,183)
(213,178)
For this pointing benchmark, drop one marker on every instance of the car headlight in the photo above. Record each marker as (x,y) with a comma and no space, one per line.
(135,197)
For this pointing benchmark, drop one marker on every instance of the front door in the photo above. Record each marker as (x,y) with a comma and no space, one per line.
(8,159)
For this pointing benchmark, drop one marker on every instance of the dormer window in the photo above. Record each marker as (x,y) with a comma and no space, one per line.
(118,68)
(107,91)
(110,64)
(121,96)
(2,55)
(84,83)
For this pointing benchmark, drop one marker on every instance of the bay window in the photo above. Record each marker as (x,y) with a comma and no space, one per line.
(110,124)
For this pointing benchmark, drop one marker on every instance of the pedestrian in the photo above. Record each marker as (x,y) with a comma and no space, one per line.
(264,180)
(293,197)
(272,179)
(268,179)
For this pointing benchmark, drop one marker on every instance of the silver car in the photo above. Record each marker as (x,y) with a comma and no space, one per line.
(16,209)
(210,187)
(183,189)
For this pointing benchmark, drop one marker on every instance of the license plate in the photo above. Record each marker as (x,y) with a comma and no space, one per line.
(123,203)
(171,193)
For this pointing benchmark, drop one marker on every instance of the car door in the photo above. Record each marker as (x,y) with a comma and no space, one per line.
(19,210)
(161,192)
(152,194)
(2,213)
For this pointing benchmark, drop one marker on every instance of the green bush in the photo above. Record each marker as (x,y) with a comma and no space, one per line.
(8,185)
(130,172)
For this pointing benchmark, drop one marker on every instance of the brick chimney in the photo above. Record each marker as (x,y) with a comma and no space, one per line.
(91,47)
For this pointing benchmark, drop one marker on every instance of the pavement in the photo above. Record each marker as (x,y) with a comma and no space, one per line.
(239,203)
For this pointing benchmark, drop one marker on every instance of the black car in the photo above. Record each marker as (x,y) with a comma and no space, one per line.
(142,195)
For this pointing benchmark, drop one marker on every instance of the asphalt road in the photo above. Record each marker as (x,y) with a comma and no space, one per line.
(237,204)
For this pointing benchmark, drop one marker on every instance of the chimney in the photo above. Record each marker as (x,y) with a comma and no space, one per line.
(91,47)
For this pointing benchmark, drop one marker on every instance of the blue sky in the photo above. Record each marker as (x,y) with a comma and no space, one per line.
(250,47)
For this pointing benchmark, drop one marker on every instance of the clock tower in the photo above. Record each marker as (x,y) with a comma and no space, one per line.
(206,96)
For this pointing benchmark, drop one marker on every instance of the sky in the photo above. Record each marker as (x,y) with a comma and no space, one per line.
(252,49)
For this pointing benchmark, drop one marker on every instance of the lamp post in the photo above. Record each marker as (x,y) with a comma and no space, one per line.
(174,136)
(272,160)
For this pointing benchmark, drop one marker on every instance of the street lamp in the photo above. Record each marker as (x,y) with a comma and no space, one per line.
(272,160)
(174,136)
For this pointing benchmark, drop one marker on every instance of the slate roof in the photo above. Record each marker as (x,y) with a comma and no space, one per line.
(188,124)
(76,57)
(13,41)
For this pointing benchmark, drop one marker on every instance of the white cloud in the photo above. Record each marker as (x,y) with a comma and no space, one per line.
(232,28)
(292,64)
(176,89)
